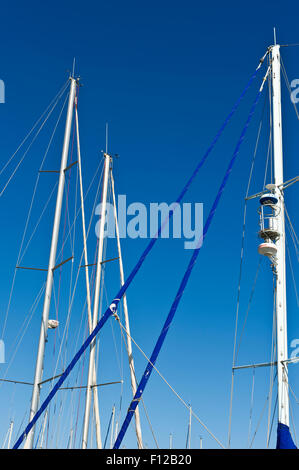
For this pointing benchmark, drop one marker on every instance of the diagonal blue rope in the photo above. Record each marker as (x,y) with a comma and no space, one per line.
(112,309)
(160,341)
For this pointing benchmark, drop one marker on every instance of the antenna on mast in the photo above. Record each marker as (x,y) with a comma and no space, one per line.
(106,137)
(74,63)
(274,34)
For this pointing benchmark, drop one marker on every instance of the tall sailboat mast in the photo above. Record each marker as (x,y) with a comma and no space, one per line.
(88,297)
(281,306)
(91,374)
(51,266)
(127,323)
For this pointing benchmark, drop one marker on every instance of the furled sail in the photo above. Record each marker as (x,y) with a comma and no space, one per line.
(284,438)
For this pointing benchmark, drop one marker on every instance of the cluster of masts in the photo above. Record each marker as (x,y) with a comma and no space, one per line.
(272,233)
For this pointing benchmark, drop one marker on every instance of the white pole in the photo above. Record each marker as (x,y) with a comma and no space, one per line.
(10,434)
(90,381)
(281,308)
(127,322)
(95,390)
(112,427)
(43,430)
(52,261)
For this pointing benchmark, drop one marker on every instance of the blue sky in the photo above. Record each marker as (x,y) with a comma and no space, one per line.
(163,75)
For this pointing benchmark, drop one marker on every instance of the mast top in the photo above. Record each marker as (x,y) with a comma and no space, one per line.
(74,64)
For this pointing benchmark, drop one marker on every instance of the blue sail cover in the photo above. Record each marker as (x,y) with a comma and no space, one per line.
(284,438)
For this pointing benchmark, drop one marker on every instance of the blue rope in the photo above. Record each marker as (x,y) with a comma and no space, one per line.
(110,310)
(158,346)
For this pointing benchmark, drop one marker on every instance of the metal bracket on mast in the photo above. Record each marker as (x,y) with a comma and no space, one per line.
(58,171)
(44,269)
(293,360)
(102,262)
(289,183)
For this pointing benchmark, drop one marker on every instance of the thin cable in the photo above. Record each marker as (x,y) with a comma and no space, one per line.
(27,150)
(292,273)
(273,354)
(241,270)
(21,256)
(58,96)
(272,422)
(251,406)
(292,232)
(249,305)
(171,388)
(260,419)
(144,407)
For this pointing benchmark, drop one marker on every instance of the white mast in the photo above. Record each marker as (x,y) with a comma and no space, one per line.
(90,381)
(43,430)
(112,427)
(88,299)
(127,323)
(51,266)
(281,308)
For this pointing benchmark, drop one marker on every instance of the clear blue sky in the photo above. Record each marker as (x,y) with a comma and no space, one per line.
(163,75)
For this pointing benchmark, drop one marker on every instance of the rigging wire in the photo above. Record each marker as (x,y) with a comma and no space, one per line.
(292,272)
(251,405)
(27,150)
(168,384)
(260,418)
(23,330)
(143,404)
(293,425)
(273,354)
(108,430)
(241,266)
(272,421)
(249,305)
(20,255)
(292,233)
(57,97)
